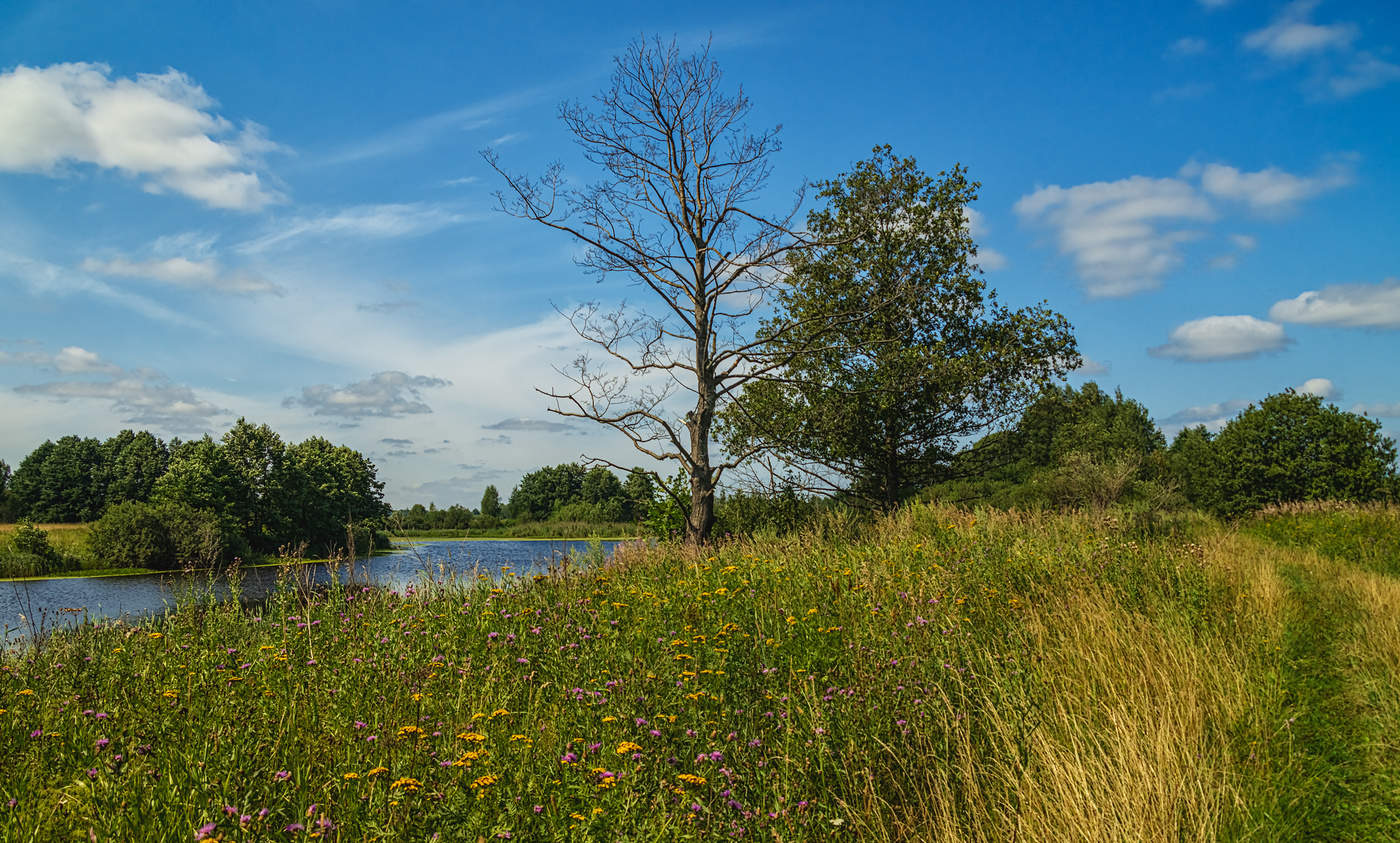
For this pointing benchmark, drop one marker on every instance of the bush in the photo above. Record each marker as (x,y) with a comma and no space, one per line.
(29,554)
(1291,448)
(132,535)
(198,537)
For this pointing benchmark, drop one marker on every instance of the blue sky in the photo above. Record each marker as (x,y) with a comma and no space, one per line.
(278,210)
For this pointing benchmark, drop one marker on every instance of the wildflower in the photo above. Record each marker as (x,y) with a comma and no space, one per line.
(27,692)
(690,778)
(295,827)
(351,776)
(473,737)
(627,746)
(376,771)
(281,775)
(155,636)
(407,783)
(485,781)
(102,743)
(204,831)
(405,731)
(170,694)
(569,758)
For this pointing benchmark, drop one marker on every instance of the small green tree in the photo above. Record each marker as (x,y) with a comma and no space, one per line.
(491,502)
(907,352)
(131,534)
(1290,447)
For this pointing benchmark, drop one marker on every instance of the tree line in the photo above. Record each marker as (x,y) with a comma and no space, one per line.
(158,504)
(566,492)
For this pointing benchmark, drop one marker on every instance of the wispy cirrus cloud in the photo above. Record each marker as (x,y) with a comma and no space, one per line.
(410,219)
(43,279)
(1337,68)
(155,127)
(185,273)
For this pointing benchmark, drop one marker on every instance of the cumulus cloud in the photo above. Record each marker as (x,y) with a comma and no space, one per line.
(1338,68)
(382,395)
(1348,305)
(1292,35)
(156,127)
(184,273)
(141,396)
(1090,366)
(1271,189)
(1222,338)
(1123,236)
(1381,410)
(1211,415)
(409,219)
(1321,387)
(989,260)
(530,426)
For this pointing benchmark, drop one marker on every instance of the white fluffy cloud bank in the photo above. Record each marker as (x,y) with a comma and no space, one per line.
(1347,305)
(155,127)
(1222,338)
(1123,237)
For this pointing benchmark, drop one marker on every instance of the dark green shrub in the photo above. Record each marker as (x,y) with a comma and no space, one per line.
(132,535)
(198,537)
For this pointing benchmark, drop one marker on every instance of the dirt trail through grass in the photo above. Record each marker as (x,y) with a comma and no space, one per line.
(1342,774)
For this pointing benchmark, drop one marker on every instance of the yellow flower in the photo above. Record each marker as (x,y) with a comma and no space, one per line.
(406,783)
(417,697)
(405,731)
(690,778)
(609,719)
(628,747)
(171,694)
(376,771)
(349,776)
(27,692)
(474,737)
(485,781)
(155,635)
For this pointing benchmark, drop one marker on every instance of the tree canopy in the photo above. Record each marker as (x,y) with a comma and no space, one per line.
(905,352)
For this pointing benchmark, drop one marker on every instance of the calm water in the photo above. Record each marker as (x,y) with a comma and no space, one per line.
(50,603)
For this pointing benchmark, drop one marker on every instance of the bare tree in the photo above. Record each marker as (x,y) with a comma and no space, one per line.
(674,212)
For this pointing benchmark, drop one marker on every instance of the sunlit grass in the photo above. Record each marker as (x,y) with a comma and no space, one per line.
(943,675)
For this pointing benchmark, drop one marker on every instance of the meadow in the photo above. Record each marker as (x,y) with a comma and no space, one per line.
(941,674)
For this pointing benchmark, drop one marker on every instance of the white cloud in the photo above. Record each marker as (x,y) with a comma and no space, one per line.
(1382,410)
(156,127)
(42,279)
(140,396)
(1244,242)
(1090,366)
(1363,73)
(1292,35)
(1212,416)
(530,426)
(1222,338)
(1348,305)
(990,260)
(378,221)
(1122,235)
(1321,387)
(183,272)
(1125,236)
(1271,189)
(1187,47)
(382,395)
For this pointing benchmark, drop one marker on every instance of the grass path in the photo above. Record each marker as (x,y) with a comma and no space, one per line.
(1341,774)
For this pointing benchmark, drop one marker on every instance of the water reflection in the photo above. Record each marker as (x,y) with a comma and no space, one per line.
(48,604)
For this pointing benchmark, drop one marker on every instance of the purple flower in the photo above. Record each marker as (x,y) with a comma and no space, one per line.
(295,827)
(102,743)
(539,809)
(204,831)
(281,775)
(102,715)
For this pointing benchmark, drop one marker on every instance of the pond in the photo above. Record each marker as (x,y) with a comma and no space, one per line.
(49,604)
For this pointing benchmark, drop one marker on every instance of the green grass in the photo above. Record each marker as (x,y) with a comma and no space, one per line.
(1368,536)
(941,675)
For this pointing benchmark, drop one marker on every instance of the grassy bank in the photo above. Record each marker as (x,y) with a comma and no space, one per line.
(943,675)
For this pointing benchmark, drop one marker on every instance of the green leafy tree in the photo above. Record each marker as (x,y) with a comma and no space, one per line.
(134,461)
(1292,447)
(330,487)
(638,491)
(908,353)
(491,502)
(1192,462)
(546,489)
(6,510)
(256,454)
(201,476)
(61,481)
